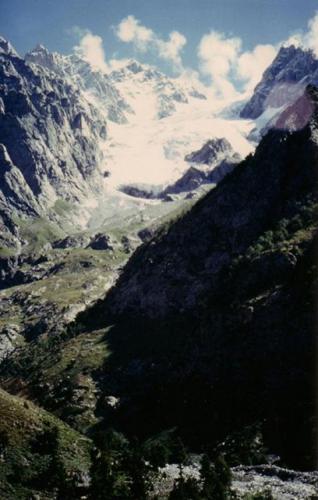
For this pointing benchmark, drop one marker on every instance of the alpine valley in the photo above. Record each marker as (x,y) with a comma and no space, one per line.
(158,280)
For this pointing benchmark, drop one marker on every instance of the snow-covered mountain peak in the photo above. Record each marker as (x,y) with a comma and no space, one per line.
(39,49)
(151,93)
(95,85)
(135,66)
(283,81)
(6,47)
(42,56)
(211,151)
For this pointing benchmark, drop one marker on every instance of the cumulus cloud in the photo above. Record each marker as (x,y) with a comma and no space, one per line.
(130,30)
(217,54)
(311,37)
(251,65)
(307,39)
(171,49)
(222,59)
(90,48)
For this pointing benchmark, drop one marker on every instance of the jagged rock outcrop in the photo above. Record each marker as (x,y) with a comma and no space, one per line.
(139,192)
(98,85)
(190,180)
(15,191)
(209,164)
(212,151)
(6,47)
(73,241)
(50,139)
(101,242)
(283,81)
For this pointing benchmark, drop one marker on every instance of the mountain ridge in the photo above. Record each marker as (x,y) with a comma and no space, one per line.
(283,81)
(231,217)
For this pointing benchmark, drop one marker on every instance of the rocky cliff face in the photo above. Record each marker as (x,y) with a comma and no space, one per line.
(117,91)
(210,164)
(50,138)
(97,85)
(212,152)
(283,82)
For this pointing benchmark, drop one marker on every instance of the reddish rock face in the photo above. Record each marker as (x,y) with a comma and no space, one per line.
(283,81)
(296,116)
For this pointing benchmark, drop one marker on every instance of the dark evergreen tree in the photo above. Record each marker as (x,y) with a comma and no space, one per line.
(139,472)
(108,480)
(108,477)
(186,489)
(216,479)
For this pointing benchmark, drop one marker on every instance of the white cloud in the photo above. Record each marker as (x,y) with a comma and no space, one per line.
(222,59)
(90,48)
(311,37)
(217,56)
(307,39)
(117,64)
(218,53)
(294,39)
(171,50)
(251,65)
(130,30)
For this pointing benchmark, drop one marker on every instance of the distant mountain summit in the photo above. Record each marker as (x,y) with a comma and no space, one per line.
(209,164)
(117,91)
(96,85)
(57,146)
(283,81)
(50,138)
(138,82)
(6,47)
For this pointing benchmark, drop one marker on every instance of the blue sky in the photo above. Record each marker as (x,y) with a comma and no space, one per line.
(27,22)
(178,30)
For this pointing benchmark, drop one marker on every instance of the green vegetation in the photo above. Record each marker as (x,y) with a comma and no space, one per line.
(123,469)
(59,372)
(62,207)
(119,469)
(38,231)
(7,252)
(36,450)
(288,233)
(245,446)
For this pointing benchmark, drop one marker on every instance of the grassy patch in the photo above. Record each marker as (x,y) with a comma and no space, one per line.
(62,207)
(38,231)
(7,252)
(31,441)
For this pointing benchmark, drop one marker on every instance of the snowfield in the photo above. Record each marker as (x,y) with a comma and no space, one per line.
(151,150)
